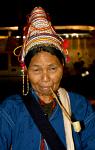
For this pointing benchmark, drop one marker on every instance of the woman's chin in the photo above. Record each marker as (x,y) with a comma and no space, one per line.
(45,91)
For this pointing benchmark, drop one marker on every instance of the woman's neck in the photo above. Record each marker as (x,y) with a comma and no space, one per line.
(46,99)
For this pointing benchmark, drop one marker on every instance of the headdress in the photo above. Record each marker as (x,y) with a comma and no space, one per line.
(39,31)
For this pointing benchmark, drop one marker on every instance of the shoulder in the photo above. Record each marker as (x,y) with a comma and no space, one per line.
(80,105)
(11,101)
(77,99)
(11,107)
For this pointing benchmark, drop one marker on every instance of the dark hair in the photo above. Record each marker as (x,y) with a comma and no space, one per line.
(54,51)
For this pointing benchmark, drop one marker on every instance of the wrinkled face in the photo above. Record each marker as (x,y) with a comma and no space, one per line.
(45,71)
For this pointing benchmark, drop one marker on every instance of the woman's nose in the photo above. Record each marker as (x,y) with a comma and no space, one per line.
(45,76)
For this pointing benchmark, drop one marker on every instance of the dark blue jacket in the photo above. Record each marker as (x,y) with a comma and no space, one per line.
(17,127)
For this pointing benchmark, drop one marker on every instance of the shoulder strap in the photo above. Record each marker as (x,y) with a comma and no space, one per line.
(43,123)
(65,100)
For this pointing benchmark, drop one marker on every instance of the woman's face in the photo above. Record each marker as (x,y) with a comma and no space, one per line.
(45,71)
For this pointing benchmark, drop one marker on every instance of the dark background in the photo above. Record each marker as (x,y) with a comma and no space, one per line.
(62,12)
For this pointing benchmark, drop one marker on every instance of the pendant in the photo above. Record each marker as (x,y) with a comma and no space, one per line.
(77,126)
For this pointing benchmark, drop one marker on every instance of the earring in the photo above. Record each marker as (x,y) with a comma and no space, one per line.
(23,82)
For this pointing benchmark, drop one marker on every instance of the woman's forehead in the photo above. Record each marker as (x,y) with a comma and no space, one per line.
(44,57)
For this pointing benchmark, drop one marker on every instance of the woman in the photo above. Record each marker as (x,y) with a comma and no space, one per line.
(57,119)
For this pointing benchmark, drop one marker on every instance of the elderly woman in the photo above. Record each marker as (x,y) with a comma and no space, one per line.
(47,117)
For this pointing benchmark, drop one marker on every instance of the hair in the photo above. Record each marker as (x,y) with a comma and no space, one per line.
(54,51)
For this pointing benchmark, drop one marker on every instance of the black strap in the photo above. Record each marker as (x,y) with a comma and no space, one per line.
(42,122)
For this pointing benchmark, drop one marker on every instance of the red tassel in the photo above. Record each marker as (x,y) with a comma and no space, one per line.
(65,44)
(22,65)
(68,58)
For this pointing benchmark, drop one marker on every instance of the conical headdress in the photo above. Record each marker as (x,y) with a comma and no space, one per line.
(39,31)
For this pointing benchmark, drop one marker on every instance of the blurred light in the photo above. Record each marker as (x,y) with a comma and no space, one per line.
(3,37)
(85,74)
(18,36)
(75,27)
(74,35)
(66,35)
(9,28)
(23,37)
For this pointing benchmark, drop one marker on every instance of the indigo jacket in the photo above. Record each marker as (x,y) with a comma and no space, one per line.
(18,129)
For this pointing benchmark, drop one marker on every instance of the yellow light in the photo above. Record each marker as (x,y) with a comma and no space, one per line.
(75,27)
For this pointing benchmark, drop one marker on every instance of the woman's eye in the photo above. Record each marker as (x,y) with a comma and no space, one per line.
(36,70)
(52,69)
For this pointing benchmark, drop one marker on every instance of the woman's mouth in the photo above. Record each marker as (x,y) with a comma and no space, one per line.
(45,88)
